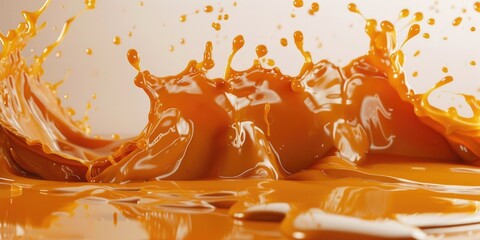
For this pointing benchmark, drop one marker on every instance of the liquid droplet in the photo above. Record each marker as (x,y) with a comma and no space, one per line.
(271,62)
(116,40)
(183,18)
(216,26)
(133,59)
(417,17)
(89,51)
(445,69)
(284,42)
(315,7)
(387,26)
(404,13)
(115,136)
(414,31)
(237,44)
(71,111)
(476,6)
(261,51)
(431,21)
(208,62)
(90,4)
(298,37)
(208,9)
(457,21)
(352,7)
(298,3)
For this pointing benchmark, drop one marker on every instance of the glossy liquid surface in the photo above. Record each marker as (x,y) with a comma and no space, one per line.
(347,152)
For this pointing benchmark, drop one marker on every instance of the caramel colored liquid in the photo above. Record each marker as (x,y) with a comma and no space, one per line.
(352,7)
(417,17)
(261,51)
(314,8)
(404,13)
(183,18)
(208,9)
(298,3)
(117,40)
(457,21)
(336,152)
(133,59)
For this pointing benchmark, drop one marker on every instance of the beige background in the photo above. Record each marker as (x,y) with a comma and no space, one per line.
(333,33)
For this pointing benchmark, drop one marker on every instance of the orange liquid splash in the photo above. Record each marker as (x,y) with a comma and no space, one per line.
(336,152)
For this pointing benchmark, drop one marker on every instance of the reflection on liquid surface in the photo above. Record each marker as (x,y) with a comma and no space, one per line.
(346,152)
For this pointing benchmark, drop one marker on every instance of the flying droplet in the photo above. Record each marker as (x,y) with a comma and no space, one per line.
(352,7)
(298,3)
(315,7)
(90,4)
(216,26)
(183,18)
(261,51)
(133,59)
(404,13)
(457,21)
(417,17)
(117,40)
(476,6)
(208,9)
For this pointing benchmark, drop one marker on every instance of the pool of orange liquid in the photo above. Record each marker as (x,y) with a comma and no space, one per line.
(336,152)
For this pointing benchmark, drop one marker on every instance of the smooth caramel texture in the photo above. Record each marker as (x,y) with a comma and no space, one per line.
(337,152)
